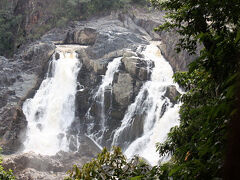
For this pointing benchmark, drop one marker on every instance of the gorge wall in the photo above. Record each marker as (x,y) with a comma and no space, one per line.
(100,41)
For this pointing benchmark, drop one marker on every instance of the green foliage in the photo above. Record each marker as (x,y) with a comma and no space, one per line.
(5,175)
(113,165)
(198,145)
(9,29)
(66,10)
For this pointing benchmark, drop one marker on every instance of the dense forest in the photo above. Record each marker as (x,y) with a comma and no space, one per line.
(206,143)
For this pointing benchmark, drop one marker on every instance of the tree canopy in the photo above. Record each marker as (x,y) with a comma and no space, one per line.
(198,145)
(113,165)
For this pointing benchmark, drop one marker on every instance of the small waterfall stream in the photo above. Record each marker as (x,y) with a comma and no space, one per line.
(107,80)
(52,110)
(159,115)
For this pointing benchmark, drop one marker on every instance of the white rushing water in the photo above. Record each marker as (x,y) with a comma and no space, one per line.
(156,126)
(51,111)
(107,80)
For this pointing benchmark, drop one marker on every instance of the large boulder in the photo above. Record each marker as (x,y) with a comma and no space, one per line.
(123,89)
(172,93)
(86,36)
(136,68)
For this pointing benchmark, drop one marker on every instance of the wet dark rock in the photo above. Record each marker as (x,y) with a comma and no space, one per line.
(172,94)
(88,147)
(132,132)
(12,130)
(57,56)
(86,36)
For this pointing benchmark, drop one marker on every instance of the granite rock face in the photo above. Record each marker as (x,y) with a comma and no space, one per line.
(86,36)
(148,20)
(172,93)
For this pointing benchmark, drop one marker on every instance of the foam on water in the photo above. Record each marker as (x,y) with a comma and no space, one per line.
(52,109)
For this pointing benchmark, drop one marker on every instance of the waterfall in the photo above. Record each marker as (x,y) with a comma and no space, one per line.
(99,96)
(159,115)
(52,109)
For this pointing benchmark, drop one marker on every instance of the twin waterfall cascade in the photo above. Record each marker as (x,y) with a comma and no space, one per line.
(51,111)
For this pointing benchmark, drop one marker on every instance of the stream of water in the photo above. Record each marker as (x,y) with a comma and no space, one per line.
(159,113)
(52,109)
(107,80)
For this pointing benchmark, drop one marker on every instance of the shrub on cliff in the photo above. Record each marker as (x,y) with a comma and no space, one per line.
(113,165)
(9,31)
(5,175)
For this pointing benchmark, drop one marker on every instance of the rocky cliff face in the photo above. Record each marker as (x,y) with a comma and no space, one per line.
(148,21)
(101,40)
(35,13)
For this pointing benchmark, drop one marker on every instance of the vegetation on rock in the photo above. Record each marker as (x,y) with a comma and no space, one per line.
(113,165)
(9,30)
(5,175)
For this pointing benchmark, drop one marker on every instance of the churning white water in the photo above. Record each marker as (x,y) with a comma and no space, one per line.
(51,111)
(156,123)
(107,80)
